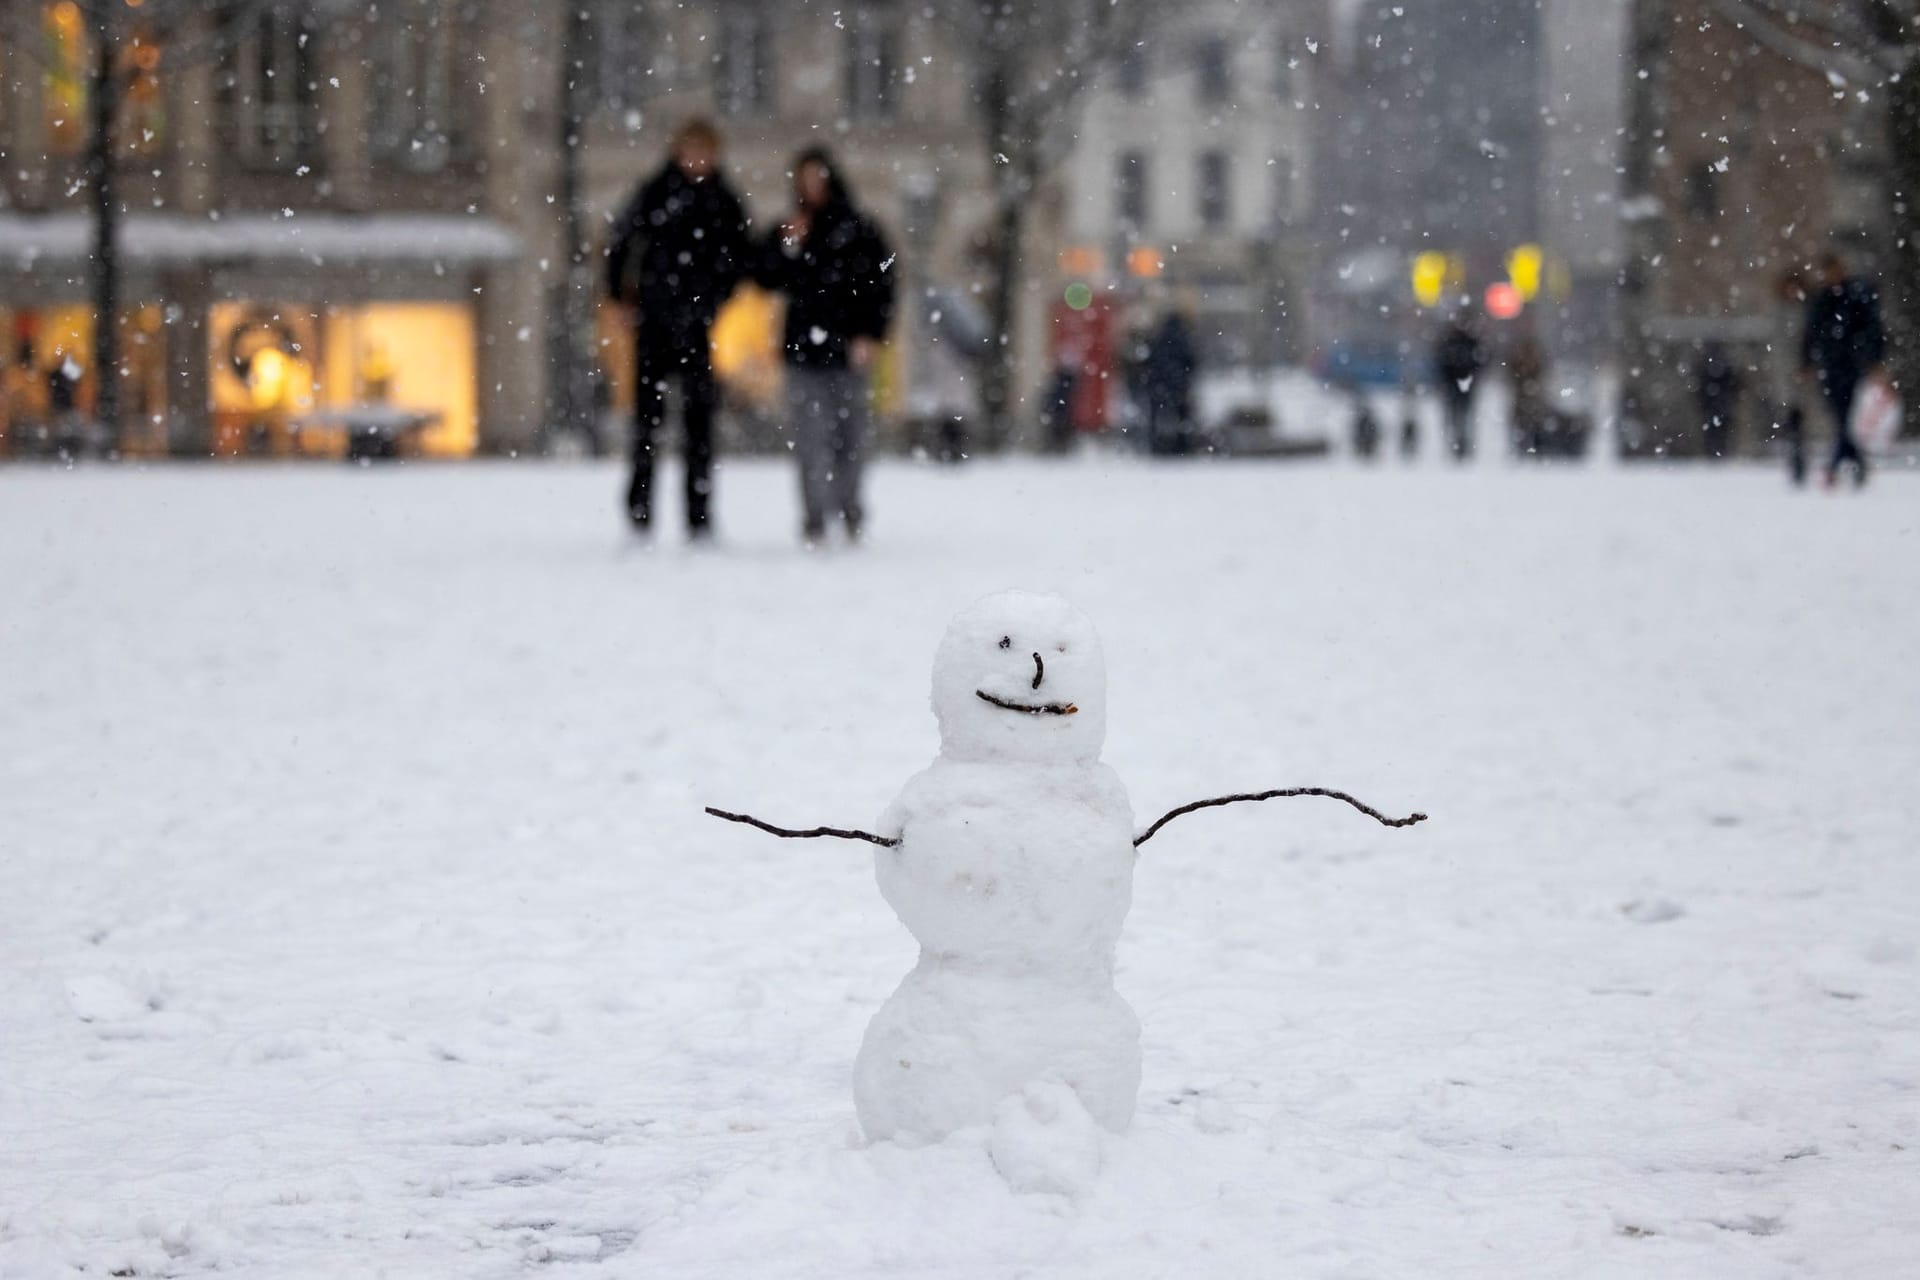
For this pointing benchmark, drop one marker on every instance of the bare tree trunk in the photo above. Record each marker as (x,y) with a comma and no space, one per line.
(1009,222)
(1901,284)
(106,216)
(1649,43)
(999,392)
(572,394)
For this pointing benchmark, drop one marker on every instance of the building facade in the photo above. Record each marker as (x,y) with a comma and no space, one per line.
(337,212)
(324,214)
(1742,164)
(1191,178)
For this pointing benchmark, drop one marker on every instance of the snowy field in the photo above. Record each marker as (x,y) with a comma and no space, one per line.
(358,916)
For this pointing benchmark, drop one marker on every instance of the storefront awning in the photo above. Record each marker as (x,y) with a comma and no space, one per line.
(314,239)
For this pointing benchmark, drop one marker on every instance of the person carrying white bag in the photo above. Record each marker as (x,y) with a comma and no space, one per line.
(1877,413)
(1843,347)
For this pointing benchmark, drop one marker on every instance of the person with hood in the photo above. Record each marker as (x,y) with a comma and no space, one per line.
(836,270)
(1843,346)
(677,251)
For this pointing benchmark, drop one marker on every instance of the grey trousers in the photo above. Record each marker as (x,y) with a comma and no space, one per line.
(827,412)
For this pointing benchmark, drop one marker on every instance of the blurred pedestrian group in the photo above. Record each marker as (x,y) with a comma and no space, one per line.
(680,247)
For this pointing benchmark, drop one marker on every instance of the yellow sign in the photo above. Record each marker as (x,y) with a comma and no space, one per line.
(1525,268)
(1430,272)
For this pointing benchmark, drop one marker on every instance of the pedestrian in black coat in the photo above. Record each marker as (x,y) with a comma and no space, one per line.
(1171,362)
(1844,343)
(1458,358)
(836,270)
(676,253)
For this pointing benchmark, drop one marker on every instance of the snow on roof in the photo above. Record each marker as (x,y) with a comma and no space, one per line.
(314,238)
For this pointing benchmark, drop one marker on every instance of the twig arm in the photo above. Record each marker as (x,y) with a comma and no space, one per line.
(811,833)
(1369,810)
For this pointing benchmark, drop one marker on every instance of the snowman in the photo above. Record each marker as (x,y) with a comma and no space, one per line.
(1010,858)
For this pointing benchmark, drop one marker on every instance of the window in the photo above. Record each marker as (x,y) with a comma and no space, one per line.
(744,63)
(66,85)
(1216,196)
(1130,185)
(1282,170)
(1133,71)
(1213,67)
(268,93)
(621,63)
(411,56)
(873,59)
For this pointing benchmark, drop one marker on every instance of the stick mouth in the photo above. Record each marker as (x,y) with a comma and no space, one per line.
(1029,708)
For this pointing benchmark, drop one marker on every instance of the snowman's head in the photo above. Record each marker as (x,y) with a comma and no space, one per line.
(1020,676)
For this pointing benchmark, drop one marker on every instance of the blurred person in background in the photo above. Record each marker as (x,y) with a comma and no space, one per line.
(1458,358)
(1170,365)
(1843,345)
(836,270)
(677,251)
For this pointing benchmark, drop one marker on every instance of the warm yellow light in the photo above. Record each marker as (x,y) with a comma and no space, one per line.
(1525,266)
(1430,271)
(1144,262)
(746,344)
(1080,260)
(267,372)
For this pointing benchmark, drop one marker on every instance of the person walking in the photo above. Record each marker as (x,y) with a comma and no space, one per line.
(677,251)
(836,270)
(1171,363)
(1458,357)
(1843,345)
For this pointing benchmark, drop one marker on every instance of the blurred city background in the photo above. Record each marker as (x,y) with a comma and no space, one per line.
(324,227)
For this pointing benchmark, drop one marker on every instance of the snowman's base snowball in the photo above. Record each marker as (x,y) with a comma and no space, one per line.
(951,1044)
(1044,1141)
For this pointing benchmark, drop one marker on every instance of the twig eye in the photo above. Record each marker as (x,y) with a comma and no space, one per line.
(1006,642)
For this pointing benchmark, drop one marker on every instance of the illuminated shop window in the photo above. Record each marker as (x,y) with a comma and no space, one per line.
(65,85)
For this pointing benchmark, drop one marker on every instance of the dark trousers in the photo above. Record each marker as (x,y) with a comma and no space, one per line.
(689,360)
(1846,449)
(1460,425)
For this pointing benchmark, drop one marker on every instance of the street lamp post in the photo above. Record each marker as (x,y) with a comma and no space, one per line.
(104,102)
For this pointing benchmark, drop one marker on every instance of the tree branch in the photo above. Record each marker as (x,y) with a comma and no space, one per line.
(811,833)
(1774,31)
(1370,811)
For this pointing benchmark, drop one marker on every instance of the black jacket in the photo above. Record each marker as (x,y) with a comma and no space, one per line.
(677,251)
(839,285)
(1170,365)
(1458,358)
(1844,337)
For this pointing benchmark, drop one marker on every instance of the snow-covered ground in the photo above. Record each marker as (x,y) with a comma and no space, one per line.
(358,916)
